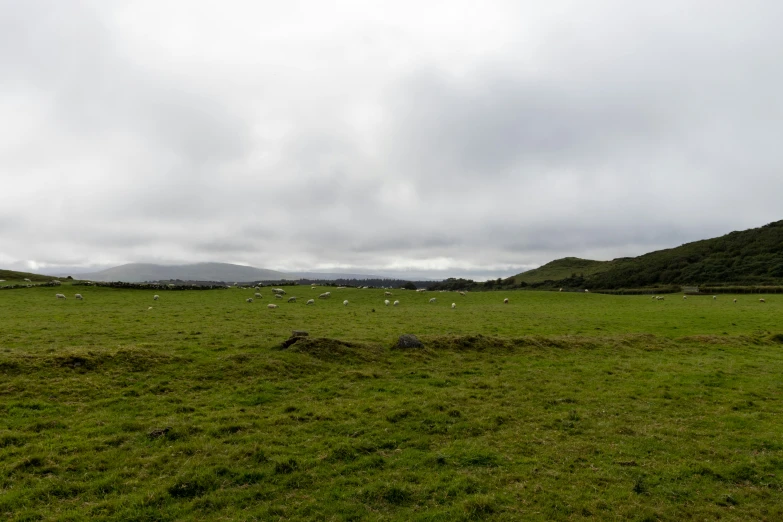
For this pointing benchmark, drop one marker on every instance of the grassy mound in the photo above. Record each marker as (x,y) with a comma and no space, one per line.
(129,358)
(335,350)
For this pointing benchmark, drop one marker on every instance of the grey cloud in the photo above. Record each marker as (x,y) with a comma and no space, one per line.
(489,125)
(410,145)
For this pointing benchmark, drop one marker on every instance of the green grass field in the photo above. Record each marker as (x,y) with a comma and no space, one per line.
(557,406)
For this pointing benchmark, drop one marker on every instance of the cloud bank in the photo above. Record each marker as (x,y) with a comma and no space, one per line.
(456,138)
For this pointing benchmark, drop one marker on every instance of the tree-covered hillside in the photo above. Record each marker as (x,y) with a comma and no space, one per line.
(749,257)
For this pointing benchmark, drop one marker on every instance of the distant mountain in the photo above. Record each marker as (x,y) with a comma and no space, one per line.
(226,272)
(748,257)
(331,276)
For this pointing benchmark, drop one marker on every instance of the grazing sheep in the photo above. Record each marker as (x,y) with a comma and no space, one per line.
(685,297)
(155,297)
(279,291)
(149,308)
(325,295)
(313,288)
(432,300)
(310,301)
(60,296)
(586,290)
(396,303)
(386,302)
(278,296)
(249,299)
(653,297)
(462,294)
(762,301)
(505,301)
(735,301)
(454,305)
(714,297)
(292,299)
(345,303)
(271,306)
(659,298)
(258,295)
(387,293)
(27,280)
(79,296)
(561,289)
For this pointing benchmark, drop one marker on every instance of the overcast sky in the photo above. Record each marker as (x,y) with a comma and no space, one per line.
(430,138)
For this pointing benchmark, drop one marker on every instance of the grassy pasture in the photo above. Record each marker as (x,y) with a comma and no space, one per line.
(557,406)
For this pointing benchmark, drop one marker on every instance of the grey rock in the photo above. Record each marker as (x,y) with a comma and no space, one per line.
(409,341)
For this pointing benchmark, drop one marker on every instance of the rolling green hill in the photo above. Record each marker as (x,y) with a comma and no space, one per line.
(562,269)
(13,276)
(749,257)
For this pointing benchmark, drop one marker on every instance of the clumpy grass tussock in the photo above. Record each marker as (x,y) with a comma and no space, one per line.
(553,407)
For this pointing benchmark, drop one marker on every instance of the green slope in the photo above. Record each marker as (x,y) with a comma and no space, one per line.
(749,257)
(561,269)
(10,276)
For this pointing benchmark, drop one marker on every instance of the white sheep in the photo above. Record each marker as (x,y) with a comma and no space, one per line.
(325,295)
(396,303)
(387,293)
(60,296)
(432,300)
(292,299)
(79,296)
(505,301)
(279,291)
(155,297)
(258,295)
(714,297)
(462,294)
(454,305)
(26,279)
(271,306)
(659,298)
(685,297)
(561,289)
(762,301)
(586,290)
(249,299)
(310,301)
(345,303)
(735,301)
(278,296)
(386,302)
